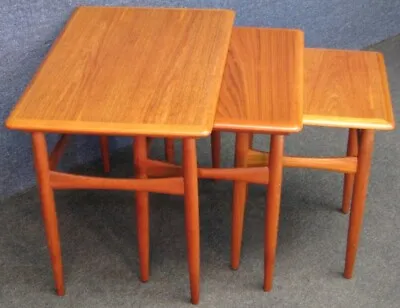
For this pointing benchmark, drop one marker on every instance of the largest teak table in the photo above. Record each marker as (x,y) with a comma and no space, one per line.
(133,72)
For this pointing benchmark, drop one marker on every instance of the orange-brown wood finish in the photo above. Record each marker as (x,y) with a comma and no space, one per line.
(61,180)
(48,208)
(359,197)
(142,208)
(352,151)
(273,208)
(156,169)
(105,153)
(130,71)
(357,165)
(342,89)
(261,92)
(338,164)
(216,149)
(346,89)
(192,219)
(251,139)
(262,88)
(169,145)
(58,151)
(139,72)
(238,199)
(257,175)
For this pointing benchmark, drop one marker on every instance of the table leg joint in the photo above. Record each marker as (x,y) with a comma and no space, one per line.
(58,151)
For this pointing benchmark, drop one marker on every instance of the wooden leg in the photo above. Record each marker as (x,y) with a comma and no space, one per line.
(216,149)
(149,140)
(239,199)
(192,223)
(359,196)
(105,154)
(272,208)
(48,208)
(349,177)
(142,209)
(169,150)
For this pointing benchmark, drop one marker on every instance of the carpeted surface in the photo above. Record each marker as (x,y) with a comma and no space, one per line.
(99,246)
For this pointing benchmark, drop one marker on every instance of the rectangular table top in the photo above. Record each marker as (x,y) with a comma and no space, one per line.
(130,71)
(345,88)
(262,88)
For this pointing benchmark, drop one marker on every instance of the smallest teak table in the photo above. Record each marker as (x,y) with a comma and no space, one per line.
(133,72)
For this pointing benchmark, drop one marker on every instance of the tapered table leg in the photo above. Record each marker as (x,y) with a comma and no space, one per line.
(352,146)
(192,220)
(359,197)
(216,149)
(169,150)
(142,209)
(273,208)
(48,208)
(239,199)
(105,153)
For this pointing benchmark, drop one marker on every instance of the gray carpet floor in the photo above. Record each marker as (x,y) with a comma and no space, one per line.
(99,247)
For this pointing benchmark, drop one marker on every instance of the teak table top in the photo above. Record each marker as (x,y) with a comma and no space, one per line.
(346,89)
(262,88)
(130,71)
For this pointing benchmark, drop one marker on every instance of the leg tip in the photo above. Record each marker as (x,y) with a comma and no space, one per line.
(144,278)
(194,295)
(195,300)
(235,265)
(345,211)
(60,291)
(348,275)
(267,287)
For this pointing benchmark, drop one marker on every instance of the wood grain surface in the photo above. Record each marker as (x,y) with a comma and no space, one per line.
(346,89)
(126,71)
(262,88)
